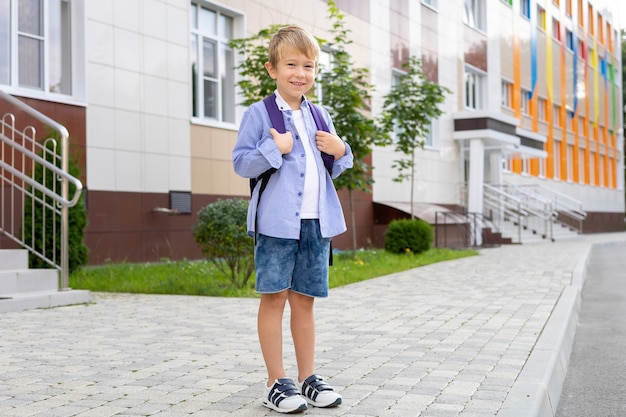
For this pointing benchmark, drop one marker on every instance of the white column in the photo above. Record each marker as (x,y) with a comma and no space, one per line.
(476,176)
(495,167)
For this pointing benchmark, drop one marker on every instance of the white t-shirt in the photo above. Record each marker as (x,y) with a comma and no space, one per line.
(311,194)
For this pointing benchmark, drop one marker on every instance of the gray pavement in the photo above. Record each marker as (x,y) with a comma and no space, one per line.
(482,336)
(596,378)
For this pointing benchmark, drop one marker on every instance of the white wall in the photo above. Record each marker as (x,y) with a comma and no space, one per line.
(138,95)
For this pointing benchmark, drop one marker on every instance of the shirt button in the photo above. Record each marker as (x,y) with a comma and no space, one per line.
(298,137)
(297,214)
(302,155)
(300,194)
(301,175)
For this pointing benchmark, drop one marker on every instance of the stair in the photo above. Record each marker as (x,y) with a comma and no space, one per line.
(22,288)
(559,233)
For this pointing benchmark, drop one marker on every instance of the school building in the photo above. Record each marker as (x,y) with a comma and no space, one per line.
(531,132)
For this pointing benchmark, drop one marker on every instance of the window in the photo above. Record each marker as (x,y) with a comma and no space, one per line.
(429,137)
(509,2)
(396,77)
(581,165)
(556,29)
(525,8)
(506,94)
(541,109)
(474,85)
(212,64)
(570,163)
(568,8)
(5,41)
(569,114)
(326,65)
(556,116)
(473,14)
(525,101)
(581,19)
(590,19)
(541,18)
(41,59)
(557,159)
(569,39)
(431,3)
(600,29)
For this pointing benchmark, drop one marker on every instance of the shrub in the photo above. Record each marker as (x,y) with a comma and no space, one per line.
(222,236)
(407,235)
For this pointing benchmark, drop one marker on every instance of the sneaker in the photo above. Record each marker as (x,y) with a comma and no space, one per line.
(318,393)
(284,397)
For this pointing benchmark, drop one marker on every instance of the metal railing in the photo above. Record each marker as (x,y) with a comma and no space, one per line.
(21,156)
(500,207)
(456,229)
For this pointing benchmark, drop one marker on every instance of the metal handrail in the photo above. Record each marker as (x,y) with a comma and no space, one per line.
(13,173)
(504,205)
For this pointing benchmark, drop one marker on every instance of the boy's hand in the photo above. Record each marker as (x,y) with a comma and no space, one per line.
(284,141)
(330,143)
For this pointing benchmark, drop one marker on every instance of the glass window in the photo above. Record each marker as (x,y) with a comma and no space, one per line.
(212,64)
(30,43)
(525,101)
(474,85)
(325,65)
(43,51)
(541,18)
(541,109)
(506,94)
(473,14)
(556,29)
(431,3)
(60,58)
(5,40)
(569,39)
(525,8)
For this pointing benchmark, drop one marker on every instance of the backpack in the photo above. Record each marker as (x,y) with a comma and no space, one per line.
(278,123)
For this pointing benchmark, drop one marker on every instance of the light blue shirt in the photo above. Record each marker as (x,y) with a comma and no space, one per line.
(278,214)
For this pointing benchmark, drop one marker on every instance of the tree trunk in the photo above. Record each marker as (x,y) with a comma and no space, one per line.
(352,220)
(412,181)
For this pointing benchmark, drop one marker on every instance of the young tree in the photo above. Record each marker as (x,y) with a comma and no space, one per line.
(346,94)
(408,110)
(255,84)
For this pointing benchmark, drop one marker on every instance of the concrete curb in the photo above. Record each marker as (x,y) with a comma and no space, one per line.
(537,390)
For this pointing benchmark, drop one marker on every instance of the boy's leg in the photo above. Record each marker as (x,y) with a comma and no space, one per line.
(303,332)
(269,323)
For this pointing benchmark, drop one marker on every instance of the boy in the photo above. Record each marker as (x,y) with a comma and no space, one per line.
(295,220)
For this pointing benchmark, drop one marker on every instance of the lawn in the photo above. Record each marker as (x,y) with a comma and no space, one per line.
(202,278)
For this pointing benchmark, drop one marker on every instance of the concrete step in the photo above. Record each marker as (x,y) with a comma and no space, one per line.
(28,280)
(22,288)
(11,259)
(42,299)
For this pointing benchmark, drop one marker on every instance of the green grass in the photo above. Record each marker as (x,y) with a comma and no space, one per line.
(202,278)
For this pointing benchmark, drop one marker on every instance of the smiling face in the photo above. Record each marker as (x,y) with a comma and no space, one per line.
(294,74)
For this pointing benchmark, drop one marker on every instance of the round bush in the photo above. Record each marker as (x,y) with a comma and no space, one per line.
(221,234)
(406,235)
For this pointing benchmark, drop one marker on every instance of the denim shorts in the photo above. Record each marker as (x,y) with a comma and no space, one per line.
(297,265)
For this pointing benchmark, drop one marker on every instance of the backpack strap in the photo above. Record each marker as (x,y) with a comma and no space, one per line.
(329,160)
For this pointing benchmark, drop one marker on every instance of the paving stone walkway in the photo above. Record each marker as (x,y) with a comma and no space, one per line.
(443,340)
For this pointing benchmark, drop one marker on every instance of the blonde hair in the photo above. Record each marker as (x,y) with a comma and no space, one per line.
(293,37)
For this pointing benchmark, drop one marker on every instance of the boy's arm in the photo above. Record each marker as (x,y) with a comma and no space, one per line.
(255,151)
(343,160)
